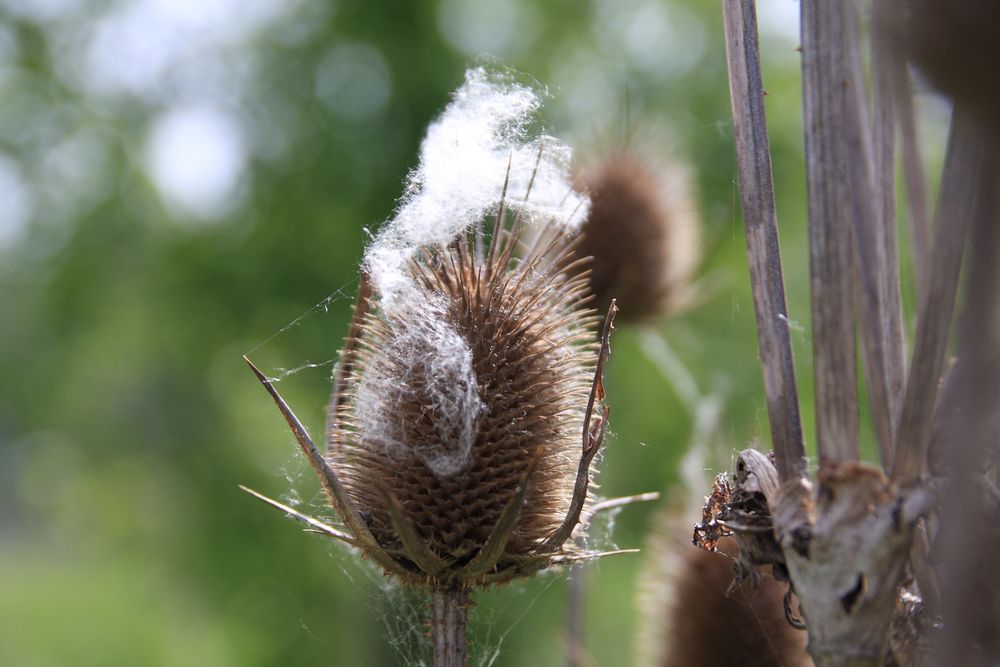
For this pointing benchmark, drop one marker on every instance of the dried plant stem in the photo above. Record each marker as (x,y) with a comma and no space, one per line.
(827,85)
(449,619)
(845,545)
(979,324)
(885,62)
(963,162)
(753,160)
(844,538)
(971,580)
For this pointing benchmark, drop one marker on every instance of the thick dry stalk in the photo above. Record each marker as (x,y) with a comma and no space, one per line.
(827,84)
(852,234)
(959,183)
(977,374)
(885,62)
(449,618)
(753,160)
(889,94)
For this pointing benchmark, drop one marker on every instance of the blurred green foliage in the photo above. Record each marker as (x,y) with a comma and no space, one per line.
(127,418)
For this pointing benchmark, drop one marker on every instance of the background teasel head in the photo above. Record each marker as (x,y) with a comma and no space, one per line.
(642,232)
(694,612)
(468,403)
(955,47)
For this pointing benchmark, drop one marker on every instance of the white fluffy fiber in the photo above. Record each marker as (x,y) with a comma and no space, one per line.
(425,360)
(463,164)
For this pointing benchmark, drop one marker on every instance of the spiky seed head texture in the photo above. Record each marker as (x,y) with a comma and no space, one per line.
(642,232)
(450,403)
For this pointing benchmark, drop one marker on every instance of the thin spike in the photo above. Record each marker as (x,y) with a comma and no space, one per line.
(613,503)
(495,544)
(592,438)
(498,225)
(334,489)
(534,172)
(416,548)
(316,524)
(592,556)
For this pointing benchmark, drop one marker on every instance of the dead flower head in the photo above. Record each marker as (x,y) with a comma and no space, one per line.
(468,404)
(954,44)
(642,232)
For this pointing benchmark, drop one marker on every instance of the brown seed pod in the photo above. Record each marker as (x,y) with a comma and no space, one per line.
(461,430)
(956,47)
(642,233)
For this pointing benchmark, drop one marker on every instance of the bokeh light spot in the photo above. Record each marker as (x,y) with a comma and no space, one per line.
(196,156)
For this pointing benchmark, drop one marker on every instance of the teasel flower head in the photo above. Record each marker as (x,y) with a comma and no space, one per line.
(955,46)
(642,231)
(468,403)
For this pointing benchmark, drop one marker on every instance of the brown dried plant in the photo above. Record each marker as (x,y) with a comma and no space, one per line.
(853,540)
(642,231)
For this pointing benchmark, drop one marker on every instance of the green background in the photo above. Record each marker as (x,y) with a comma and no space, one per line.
(127,417)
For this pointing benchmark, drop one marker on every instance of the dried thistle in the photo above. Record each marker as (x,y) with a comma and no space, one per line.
(642,233)
(468,403)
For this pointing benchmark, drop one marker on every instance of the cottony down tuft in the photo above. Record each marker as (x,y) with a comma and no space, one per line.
(453,478)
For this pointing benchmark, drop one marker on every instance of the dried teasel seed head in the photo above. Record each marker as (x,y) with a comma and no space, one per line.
(955,45)
(642,232)
(468,403)
(690,616)
(467,411)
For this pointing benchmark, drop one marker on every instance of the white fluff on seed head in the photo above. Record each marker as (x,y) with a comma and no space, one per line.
(477,142)
(463,164)
(426,362)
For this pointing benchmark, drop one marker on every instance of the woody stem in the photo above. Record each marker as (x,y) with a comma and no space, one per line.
(449,617)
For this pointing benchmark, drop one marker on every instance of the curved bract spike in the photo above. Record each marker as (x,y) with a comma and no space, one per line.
(416,549)
(317,525)
(331,484)
(495,544)
(593,436)
(498,224)
(593,555)
(614,503)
